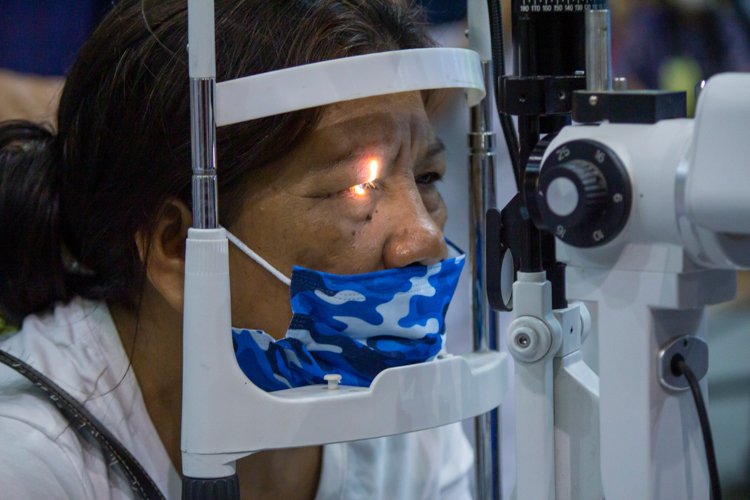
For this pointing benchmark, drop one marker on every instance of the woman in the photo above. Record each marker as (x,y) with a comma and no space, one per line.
(97,216)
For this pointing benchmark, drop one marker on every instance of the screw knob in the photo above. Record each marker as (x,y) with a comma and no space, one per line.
(574,192)
(333,380)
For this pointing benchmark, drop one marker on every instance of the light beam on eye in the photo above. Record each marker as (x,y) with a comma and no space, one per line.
(359,189)
(374,165)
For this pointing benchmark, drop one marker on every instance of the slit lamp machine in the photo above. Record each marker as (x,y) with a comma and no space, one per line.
(627,223)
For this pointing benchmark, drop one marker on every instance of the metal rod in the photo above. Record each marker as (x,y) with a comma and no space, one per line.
(203,130)
(598,51)
(482,197)
(487,435)
(531,250)
(526,62)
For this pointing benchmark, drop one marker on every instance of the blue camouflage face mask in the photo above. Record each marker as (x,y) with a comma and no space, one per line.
(354,326)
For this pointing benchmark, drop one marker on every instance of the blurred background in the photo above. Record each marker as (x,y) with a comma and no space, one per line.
(674,44)
(656,44)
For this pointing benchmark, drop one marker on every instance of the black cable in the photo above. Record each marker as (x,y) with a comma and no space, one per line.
(89,427)
(679,367)
(498,71)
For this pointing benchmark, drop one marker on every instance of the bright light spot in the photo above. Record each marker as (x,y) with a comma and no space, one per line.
(361,189)
(374,165)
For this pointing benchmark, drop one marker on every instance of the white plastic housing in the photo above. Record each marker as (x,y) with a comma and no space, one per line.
(651,442)
(651,154)
(718,185)
(657,158)
(226,417)
(348,78)
(649,285)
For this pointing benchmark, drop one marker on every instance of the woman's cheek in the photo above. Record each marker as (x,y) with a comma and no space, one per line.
(440,215)
(322,244)
(344,247)
(340,221)
(357,206)
(433,202)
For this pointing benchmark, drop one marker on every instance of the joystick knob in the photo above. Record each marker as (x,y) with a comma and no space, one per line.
(574,192)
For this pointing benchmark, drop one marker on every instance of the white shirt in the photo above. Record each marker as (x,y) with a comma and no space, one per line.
(78,347)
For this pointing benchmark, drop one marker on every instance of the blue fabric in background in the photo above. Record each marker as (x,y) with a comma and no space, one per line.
(43,36)
(718,41)
(444,11)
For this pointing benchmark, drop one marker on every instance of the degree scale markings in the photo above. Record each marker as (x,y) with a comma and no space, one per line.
(525,6)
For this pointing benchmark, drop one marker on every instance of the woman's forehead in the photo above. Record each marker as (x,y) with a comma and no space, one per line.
(373,121)
(391,107)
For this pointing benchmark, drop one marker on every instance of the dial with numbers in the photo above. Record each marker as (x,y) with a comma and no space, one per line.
(584,193)
(558,6)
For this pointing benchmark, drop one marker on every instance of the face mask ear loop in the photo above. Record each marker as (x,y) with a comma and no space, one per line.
(454,247)
(257,258)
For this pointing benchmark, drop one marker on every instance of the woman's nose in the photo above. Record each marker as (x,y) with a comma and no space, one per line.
(415,236)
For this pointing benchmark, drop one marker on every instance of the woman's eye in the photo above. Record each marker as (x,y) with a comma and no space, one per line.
(429,178)
(373,165)
(359,189)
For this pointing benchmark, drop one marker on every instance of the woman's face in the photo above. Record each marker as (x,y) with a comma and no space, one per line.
(358,195)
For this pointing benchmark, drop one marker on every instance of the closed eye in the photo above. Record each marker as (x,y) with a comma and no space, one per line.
(360,189)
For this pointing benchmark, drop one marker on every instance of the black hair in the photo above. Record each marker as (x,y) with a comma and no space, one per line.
(71,203)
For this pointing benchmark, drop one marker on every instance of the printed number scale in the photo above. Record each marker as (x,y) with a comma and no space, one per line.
(559,5)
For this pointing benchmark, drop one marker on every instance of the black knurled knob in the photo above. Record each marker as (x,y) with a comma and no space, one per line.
(224,488)
(582,193)
(574,192)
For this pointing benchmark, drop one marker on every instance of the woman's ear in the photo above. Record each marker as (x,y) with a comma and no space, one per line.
(164,253)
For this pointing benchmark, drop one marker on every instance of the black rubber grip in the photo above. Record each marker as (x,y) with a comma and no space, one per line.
(223,488)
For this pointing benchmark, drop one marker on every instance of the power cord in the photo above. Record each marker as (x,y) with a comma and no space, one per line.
(680,367)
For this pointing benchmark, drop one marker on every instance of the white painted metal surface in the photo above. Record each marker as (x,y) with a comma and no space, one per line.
(648,290)
(576,395)
(652,154)
(577,469)
(535,438)
(671,163)
(651,443)
(557,398)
